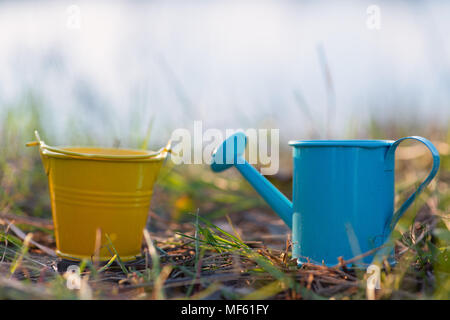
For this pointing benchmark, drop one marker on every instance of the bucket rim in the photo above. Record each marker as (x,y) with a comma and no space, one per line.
(65,152)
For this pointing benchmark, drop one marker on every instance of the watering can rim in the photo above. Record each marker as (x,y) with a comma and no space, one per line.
(341,143)
(65,153)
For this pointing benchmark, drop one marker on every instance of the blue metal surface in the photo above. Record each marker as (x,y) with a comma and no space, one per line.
(343,195)
(230,153)
(341,143)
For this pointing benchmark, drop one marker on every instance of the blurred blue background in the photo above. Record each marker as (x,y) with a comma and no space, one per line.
(111,69)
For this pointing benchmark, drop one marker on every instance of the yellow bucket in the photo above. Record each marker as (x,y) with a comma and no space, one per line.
(100,198)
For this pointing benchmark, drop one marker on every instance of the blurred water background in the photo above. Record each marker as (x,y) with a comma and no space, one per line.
(310,68)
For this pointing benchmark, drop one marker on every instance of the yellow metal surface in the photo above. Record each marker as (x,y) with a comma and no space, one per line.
(100,189)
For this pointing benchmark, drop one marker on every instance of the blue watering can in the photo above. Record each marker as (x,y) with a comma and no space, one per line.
(343,194)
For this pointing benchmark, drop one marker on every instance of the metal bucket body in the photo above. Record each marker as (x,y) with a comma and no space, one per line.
(100,192)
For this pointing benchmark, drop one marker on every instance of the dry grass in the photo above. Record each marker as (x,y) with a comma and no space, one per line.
(195,259)
(236,248)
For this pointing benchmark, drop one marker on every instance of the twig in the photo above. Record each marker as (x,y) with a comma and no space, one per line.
(22,236)
(32,221)
(356,258)
(6,241)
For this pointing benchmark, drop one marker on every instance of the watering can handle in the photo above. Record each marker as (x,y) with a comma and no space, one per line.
(390,163)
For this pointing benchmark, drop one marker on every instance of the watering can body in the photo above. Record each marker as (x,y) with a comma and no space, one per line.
(346,195)
(343,194)
(100,199)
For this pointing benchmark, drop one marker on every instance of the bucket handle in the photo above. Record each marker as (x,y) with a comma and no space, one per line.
(42,145)
(390,163)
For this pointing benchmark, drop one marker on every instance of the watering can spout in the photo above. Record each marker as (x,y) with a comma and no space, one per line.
(230,153)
